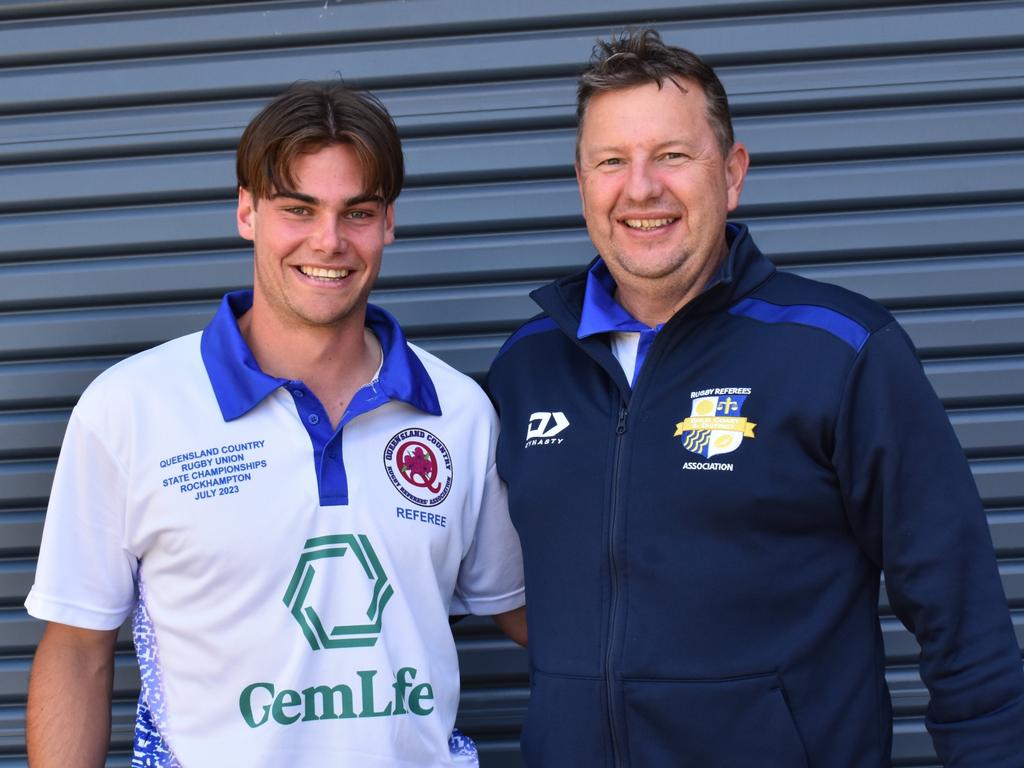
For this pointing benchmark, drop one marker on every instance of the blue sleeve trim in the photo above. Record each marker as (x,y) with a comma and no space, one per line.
(828,320)
(539,325)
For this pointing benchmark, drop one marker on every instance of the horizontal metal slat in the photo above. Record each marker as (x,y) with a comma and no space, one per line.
(990,432)
(922,282)
(805,189)
(27,483)
(20,531)
(475,258)
(24,484)
(47,383)
(986,432)
(277,24)
(503,106)
(515,55)
(16,578)
(945,230)
(441,310)
(24,435)
(965,331)
(977,382)
(940,231)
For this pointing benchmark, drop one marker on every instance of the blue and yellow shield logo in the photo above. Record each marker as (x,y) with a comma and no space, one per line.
(715,425)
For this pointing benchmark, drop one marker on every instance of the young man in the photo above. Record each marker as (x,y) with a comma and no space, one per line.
(289,504)
(746,451)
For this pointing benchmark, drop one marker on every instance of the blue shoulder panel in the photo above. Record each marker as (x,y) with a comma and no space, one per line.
(839,325)
(537,325)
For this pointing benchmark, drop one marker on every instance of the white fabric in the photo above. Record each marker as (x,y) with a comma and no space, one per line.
(216,568)
(624,346)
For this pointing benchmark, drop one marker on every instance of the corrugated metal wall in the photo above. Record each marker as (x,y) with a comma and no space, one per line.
(888,157)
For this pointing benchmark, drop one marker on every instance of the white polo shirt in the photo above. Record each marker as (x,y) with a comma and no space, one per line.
(291,583)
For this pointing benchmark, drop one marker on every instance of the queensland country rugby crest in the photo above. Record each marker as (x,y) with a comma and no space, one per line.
(715,424)
(419,466)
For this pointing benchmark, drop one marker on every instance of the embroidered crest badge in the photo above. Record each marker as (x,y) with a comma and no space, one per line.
(715,425)
(419,466)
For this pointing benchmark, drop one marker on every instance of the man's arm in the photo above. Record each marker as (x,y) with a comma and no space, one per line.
(914,508)
(513,624)
(69,697)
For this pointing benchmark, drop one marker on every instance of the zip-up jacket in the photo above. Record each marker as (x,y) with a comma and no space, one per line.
(703,549)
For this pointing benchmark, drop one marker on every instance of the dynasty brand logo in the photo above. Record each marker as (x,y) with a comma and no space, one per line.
(297,596)
(348,566)
(544,426)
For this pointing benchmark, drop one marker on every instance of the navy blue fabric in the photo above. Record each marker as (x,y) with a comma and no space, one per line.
(239,386)
(840,326)
(687,610)
(539,325)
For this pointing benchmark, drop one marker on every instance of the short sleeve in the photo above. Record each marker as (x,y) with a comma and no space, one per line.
(490,578)
(84,577)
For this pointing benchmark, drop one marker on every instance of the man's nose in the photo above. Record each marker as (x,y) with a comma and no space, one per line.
(643,182)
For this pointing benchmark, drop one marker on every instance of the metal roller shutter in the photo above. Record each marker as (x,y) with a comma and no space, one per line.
(888,158)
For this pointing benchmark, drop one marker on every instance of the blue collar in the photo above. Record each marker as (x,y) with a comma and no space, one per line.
(601,312)
(240,385)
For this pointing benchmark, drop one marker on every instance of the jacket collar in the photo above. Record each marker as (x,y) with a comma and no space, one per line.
(240,385)
(743,269)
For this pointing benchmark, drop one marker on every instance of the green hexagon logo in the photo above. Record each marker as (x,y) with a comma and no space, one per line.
(310,619)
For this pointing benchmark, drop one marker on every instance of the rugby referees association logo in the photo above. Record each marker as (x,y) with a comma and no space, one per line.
(419,466)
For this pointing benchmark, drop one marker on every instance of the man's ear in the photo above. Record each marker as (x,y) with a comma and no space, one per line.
(736,165)
(389,224)
(246,214)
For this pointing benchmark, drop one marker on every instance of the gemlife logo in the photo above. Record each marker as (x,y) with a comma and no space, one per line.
(543,428)
(349,562)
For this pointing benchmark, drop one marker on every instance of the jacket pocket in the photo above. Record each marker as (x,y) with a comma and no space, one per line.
(736,722)
(566,723)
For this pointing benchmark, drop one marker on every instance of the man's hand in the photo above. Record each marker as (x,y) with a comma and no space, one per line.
(513,624)
(69,698)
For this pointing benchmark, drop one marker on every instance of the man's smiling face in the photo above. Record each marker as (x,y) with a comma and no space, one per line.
(655,185)
(317,247)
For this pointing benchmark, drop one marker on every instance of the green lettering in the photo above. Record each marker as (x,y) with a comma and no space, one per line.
(245,704)
(327,701)
(286,698)
(422,692)
(367,678)
(401,685)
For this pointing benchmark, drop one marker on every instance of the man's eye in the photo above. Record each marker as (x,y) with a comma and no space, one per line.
(674,156)
(298,210)
(359,214)
(611,161)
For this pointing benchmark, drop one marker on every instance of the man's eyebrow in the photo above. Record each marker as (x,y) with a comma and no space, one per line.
(366,197)
(292,195)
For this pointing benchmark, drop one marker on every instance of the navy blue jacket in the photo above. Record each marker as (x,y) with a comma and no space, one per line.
(703,551)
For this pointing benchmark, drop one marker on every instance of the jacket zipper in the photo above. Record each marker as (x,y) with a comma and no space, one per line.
(620,430)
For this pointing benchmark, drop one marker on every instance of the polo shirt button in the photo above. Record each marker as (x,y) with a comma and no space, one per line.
(298,393)
(313,418)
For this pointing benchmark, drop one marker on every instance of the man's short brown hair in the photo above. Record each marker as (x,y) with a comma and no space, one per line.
(639,57)
(308,117)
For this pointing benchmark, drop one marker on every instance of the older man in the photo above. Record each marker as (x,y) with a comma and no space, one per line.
(288,504)
(711,462)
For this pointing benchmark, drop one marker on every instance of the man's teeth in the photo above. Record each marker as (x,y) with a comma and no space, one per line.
(647,223)
(329,274)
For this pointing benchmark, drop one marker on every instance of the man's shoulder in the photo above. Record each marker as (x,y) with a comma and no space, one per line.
(452,385)
(790,298)
(534,327)
(165,367)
